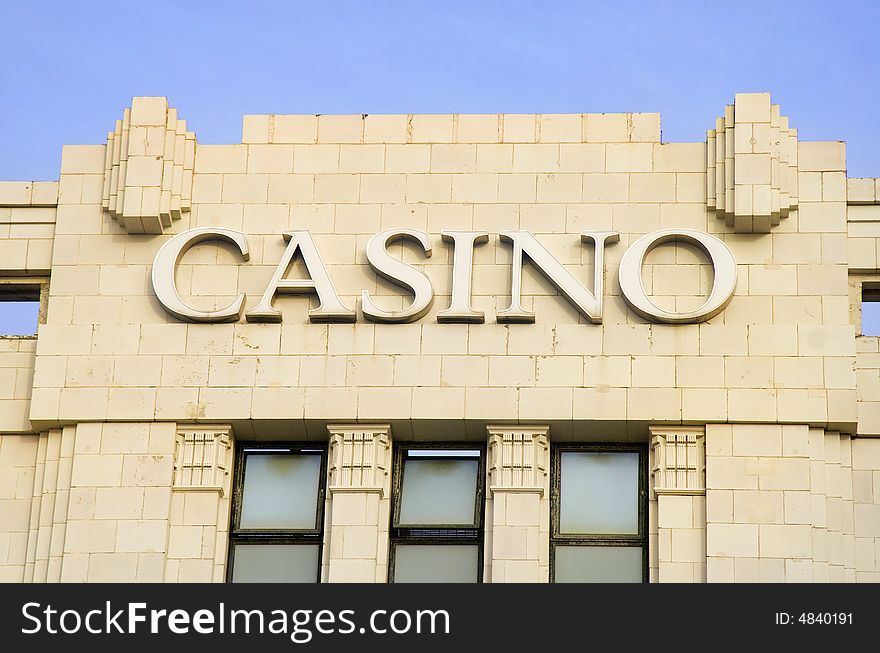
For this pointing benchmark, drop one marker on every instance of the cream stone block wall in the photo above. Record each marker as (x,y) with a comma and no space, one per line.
(782,384)
(681,539)
(783,503)
(357,505)
(866,505)
(94,502)
(47,537)
(677,510)
(27,227)
(867,371)
(16,380)
(28,193)
(862,218)
(118,530)
(200,504)
(517,511)
(356,175)
(18,466)
(779,504)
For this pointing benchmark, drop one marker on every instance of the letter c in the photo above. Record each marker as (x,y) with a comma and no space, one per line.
(719,254)
(166,261)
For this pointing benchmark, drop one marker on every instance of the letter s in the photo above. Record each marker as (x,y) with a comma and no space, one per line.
(24,612)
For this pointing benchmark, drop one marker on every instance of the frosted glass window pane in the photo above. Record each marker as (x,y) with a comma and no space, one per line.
(599,493)
(598,564)
(436,563)
(280,491)
(275,563)
(439,492)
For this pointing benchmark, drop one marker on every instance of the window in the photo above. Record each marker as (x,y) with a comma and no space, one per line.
(870,310)
(277,514)
(599,514)
(19,308)
(437,518)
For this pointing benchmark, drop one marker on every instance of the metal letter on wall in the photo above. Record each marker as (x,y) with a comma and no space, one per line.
(589,304)
(719,254)
(330,307)
(460,309)
(166,261)
(399,273)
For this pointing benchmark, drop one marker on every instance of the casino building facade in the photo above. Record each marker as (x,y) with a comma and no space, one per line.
(477,348)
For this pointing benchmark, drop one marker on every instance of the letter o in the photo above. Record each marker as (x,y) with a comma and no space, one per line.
(394,628)
(723,263)
(76,619)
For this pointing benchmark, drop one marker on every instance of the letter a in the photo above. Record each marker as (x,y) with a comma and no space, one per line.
(330,307)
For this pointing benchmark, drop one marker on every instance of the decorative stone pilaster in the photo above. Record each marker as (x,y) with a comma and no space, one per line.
(359,458)
(201,458)
(518,505)
(198,537)
(678,480)
(679,460)
(358,504)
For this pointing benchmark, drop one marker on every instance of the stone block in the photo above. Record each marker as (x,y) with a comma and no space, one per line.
(97,470)
(294,129)
(629,157)
(732,540)
(340,129)
(112,567)
(688,545)
(184,541)
(359,542)
(90,536)
(751,507)
(80,159)
(676,512)
(757,440)
(385,129)
(822,156)
(141,536)
(428,128)
(152,470)
(785,541)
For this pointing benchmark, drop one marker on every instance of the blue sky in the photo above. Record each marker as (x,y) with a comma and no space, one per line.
(67,69)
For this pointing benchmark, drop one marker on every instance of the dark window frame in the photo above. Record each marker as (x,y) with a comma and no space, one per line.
(557,538)
(428,534)
(311,536)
